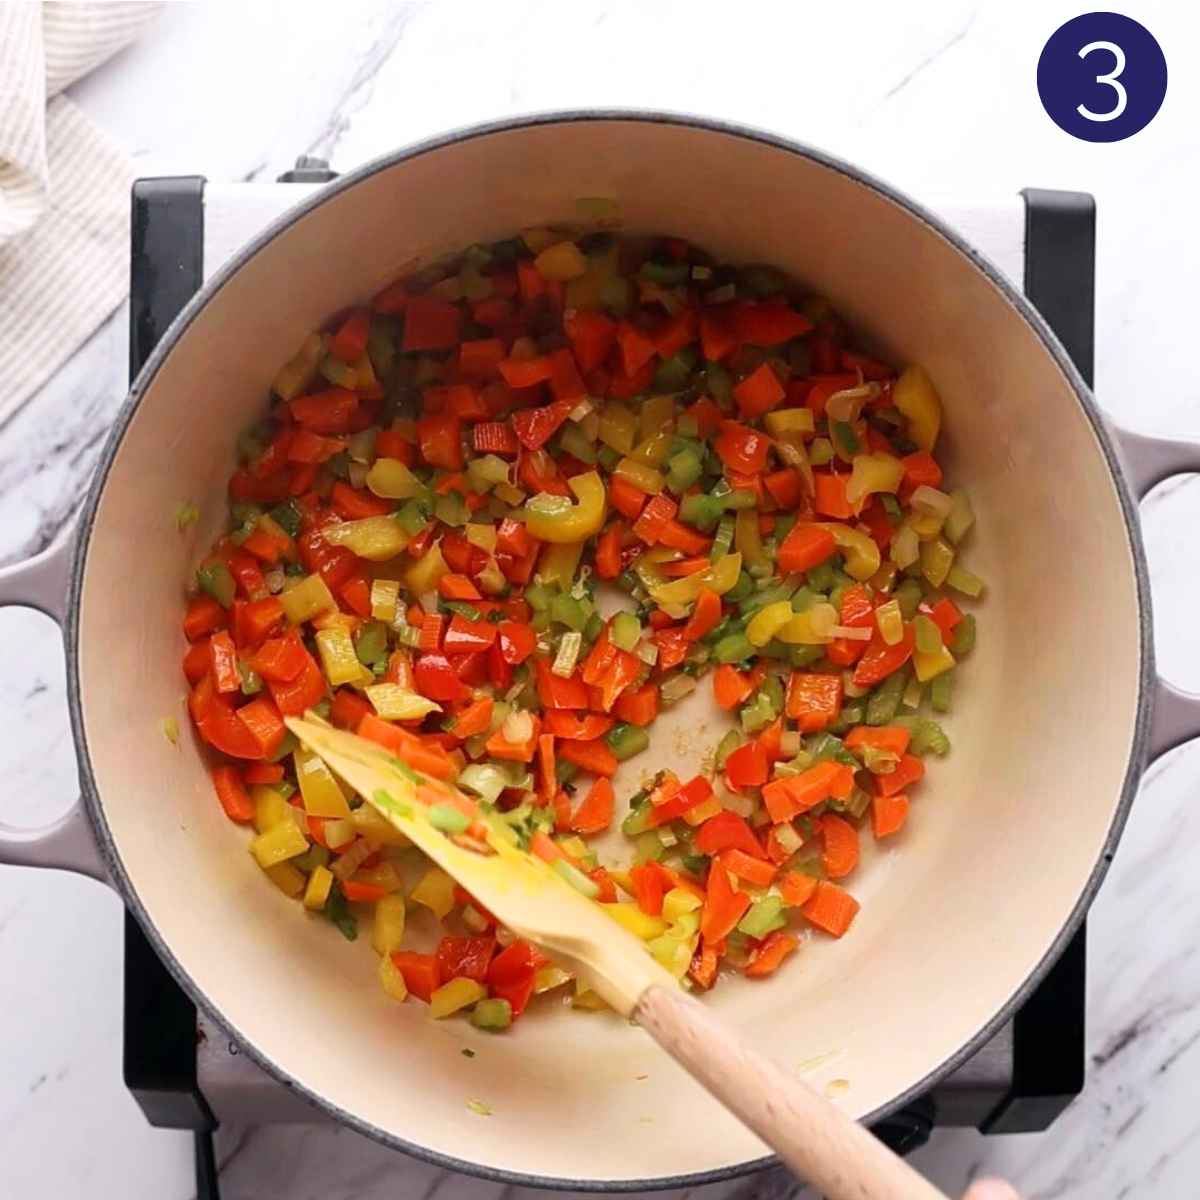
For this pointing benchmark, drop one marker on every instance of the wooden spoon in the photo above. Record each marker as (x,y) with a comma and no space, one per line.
(816,1139)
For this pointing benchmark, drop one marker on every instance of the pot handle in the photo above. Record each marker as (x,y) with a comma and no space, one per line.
(1148,461)
(67,843)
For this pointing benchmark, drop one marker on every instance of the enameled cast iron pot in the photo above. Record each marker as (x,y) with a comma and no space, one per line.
(1059,711)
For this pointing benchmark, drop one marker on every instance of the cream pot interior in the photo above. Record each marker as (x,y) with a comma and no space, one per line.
(1004,836)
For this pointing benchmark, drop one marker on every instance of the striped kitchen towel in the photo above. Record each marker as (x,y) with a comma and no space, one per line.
(64,188)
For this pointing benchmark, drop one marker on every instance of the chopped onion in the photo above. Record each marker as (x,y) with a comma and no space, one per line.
(517,727)
(906,547)
(929,500)
(789,744)
(357,472)
(852,690)
(675,687)
(647,652)
(853,633)
(847,404)
(568,654)
(275,578)
(348,863)
(582,409)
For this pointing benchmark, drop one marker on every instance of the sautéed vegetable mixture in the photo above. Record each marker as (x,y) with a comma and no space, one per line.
(454,487)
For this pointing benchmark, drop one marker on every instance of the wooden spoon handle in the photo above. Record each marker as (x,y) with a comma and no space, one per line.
(822,1145)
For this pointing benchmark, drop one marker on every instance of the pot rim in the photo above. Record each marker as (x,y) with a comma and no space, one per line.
(331,191)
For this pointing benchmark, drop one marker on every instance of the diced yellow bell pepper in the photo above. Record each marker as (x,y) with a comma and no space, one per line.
(395,703)
(385,600)
(483,536)
(937,557)
(392,480)
(339,659)
(294,375)
(914,395)
(618,426)
(860,551)
(322,796)
(561,261)
(929,666)
(387,933)
(807,628)
(436,891)
(964,581)
(891,622)
(457,994)
(373,538)
(790,422)
(317,892)
(391,979)
(719,578)
(553,522)
(677,902)
(869,473)
(640,924)
(286,878)
(509,494)
(270,808)
(925,525)
(423,575)
(308,598)
(365,372)
(652,450)
(768,621)
(279,844)
(558,563)
(672,952)
(549,977)
(586,999)
(643,476)
(658,412)
(702,812)
(378,828)
(747,539)
(686,924)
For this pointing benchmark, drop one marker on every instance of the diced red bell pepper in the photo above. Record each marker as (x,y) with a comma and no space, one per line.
(465,957)
(231,792)
(430,324)
(535,426)
(592,335)
(742,449)
(421,974)
(350,342)
(727,831)
(440,439)
(746,767)
(329,411)
(435,678)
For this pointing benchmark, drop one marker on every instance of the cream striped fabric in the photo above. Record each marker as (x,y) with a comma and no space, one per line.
(64,188)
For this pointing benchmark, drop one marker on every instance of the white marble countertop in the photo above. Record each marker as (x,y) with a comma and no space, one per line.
(936,100)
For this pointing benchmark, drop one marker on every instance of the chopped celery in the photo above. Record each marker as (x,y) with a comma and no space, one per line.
(941,692)
(625,631)
(486,780)
(627,740)
(568,654)
(908,596)
(845,438)
(719,383)
(820,451)
(675,687)
(372,642)
(962,640)
(539,597)
(960,518)
(725,747)
(564,771)
(891,506)
(648,846)
(820,578)
(494,1013)
(451,509)
(805,656)
(803,599)
(462,608)
(252,682)
(215,579)
(413,516)
(571,612)
(447,819)
(340,915)
(673,373)
(762,917)
(928,635)
(684,469)
(743,586)
(928,737)
(734,648)
(764,597)
(827,748)
(702,511)
(884,702)
(575,442)
(759,713)
(964,581)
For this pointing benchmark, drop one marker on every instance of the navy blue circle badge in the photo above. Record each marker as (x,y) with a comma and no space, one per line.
(1102,77)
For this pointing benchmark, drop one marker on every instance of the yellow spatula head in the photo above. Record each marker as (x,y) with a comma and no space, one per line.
(523,892)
